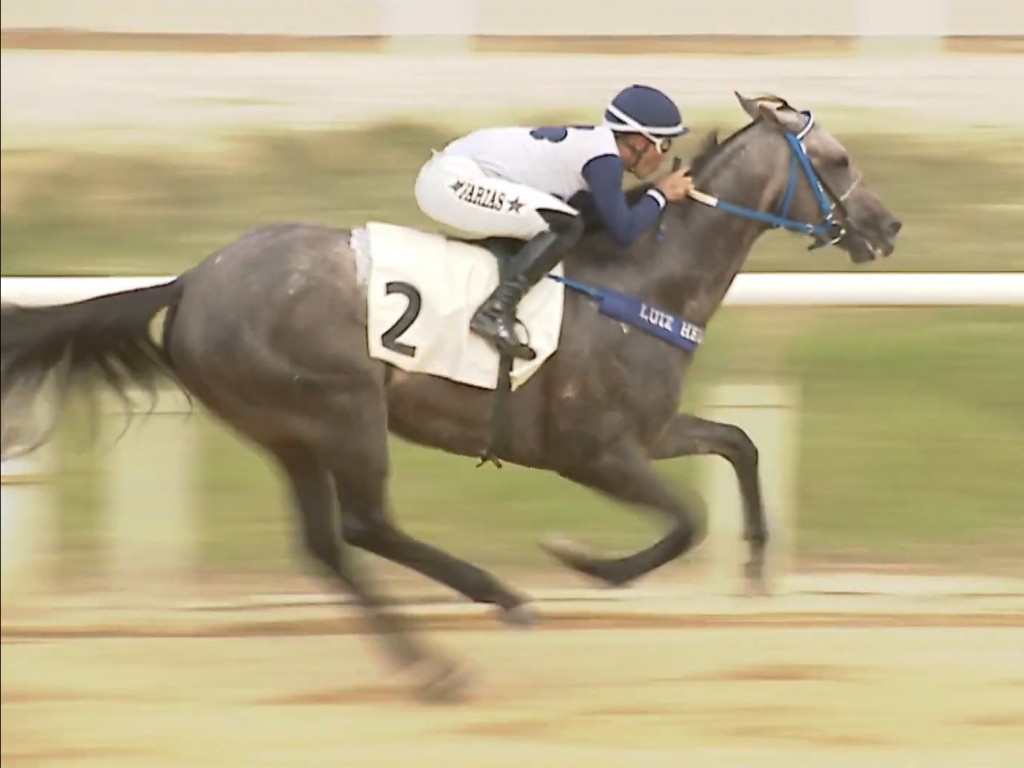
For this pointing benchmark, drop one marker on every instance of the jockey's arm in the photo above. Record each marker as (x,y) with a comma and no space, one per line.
(604,177)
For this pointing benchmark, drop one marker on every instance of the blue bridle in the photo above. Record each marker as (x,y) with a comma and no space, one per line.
(829,231)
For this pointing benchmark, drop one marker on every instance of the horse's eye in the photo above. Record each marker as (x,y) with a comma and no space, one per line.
(843,162)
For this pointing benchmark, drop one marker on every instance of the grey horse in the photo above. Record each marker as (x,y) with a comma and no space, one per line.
(269,334)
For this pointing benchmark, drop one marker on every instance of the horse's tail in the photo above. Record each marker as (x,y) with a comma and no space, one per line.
(105,338)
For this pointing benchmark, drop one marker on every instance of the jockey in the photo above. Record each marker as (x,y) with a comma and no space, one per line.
(531,184)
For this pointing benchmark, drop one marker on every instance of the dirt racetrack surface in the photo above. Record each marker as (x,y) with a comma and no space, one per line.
(939,689)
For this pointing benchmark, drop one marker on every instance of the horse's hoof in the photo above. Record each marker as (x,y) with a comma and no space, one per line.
(561,547)
(440,681)
(520,616)
(756,581)
(758,588)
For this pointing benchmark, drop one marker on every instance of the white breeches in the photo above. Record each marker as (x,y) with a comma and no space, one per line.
(457,192)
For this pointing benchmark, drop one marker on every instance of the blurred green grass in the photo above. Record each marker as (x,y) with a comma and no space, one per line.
(912,420)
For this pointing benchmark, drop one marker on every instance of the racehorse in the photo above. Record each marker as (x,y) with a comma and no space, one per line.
(269,334)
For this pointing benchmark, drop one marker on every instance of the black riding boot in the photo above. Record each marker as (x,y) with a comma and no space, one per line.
(495,319)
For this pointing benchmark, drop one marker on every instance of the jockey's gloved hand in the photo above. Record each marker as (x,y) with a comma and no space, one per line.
(675,185)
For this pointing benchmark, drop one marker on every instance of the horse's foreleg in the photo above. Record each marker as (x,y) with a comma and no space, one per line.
(688,435)
(624,473)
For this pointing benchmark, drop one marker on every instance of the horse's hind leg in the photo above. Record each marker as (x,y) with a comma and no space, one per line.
(314,497)
(689,435)
(360,483)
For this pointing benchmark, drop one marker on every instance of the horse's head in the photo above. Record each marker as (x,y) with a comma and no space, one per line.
(819,184)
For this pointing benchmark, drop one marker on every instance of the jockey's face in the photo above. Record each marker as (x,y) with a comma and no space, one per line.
(640,155)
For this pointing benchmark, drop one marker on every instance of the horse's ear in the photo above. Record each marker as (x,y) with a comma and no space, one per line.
(769,112)
(780,115)
(749,105)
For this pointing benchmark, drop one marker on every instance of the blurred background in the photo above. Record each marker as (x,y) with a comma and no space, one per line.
(138,136)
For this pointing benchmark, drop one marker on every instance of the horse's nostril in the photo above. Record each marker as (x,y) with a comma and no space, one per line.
(895,226)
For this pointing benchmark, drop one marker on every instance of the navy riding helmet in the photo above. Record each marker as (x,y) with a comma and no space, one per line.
(647,111)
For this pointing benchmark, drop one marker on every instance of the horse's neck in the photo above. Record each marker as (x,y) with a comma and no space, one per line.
(705,249)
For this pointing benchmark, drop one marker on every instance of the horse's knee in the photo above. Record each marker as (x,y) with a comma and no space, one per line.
(740,449)
(363,533)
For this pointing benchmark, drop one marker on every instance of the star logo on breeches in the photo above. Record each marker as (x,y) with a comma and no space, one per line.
(515,205)
(457,185)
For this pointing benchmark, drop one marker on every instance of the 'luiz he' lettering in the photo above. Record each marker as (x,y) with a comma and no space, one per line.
(691,332)
(656,317)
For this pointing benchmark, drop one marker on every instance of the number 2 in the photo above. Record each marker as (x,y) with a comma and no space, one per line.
(412,310)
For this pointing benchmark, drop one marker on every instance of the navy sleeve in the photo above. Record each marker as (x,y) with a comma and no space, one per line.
(603,175)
